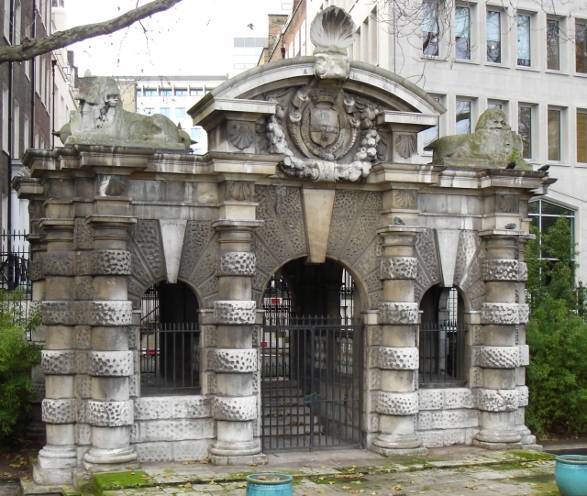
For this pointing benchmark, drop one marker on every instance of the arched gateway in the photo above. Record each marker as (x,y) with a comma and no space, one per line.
(312,173)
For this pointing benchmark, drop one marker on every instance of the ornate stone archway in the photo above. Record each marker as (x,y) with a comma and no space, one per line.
(309,157)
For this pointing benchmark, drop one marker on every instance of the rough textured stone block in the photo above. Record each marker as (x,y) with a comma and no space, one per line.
(504,270)
(172,430)
(396,403)
(235,408)
(497,400)
(447,419)
(396,358)
(398,313)
(57,362)
(522,395)
(59,263)
(237,263)
(496,357)
(172,407)
(233,360)
(110,363)
(504,313)
(109,413)
(234,312)
(399,268)
(58,411)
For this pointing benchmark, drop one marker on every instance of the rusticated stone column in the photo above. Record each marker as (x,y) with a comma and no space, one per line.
(500,354)
(397,357)
(234,359)
(109,411)
(58,457)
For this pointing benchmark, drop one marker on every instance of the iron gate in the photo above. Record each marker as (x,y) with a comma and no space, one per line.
(311,382)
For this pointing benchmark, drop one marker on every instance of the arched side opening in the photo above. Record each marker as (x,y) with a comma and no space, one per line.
(312,348)
(442,338)
(169,340)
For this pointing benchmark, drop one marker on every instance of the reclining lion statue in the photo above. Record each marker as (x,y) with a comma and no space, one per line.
(101,120)
(492,145)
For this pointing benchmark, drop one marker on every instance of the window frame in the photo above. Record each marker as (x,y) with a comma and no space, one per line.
(469,8)
(581,111)
(539,215)
(559,53)
(471,102)
(583,23)
(494,10)
(530,61)
(532,108)
(426,35)
(560,111)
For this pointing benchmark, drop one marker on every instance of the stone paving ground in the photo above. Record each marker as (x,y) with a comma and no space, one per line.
(456,471)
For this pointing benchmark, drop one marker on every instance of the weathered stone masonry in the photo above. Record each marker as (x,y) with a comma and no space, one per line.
(310,157)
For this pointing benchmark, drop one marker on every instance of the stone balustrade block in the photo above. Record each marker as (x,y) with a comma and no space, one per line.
(93,313)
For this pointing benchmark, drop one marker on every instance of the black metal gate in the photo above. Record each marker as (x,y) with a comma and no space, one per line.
(311,382)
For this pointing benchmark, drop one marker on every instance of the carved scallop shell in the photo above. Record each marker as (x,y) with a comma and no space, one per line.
(332,30)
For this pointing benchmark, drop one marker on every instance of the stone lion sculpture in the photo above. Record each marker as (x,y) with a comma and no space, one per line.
(101,120)
(493,144)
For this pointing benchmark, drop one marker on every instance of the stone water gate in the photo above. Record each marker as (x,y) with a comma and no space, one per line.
(310,159)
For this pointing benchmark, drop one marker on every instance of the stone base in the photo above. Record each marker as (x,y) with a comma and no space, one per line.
(28,487)
(51,476)
(110,460)
(258,459)
(497,446)
(398,451)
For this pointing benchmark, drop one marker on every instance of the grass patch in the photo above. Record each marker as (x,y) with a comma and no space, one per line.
(530,456)
(114,481)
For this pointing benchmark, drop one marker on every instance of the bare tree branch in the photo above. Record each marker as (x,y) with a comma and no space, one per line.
(31,48)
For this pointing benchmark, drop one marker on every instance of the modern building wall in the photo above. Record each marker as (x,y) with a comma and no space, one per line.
(35,97)
(171,96)
(538,79)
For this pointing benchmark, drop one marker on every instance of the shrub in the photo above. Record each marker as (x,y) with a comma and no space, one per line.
(557,336)
(17,357)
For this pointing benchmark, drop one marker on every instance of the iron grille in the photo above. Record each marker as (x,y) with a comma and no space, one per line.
(442,354)
(311,383)
(15,280)
(170,360)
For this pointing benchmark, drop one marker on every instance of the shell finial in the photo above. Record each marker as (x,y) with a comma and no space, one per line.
(332,31)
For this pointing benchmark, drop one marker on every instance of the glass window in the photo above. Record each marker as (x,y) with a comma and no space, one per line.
(139,92)
(180,113)
(165,91)
(524,57)
(582,136)
(525,129)
(166,111)
(553,45)
(181,91)
(150,92)
(196,91)
(554,134)
(430,27)
(581,46)
(497,104)
(463,32)
(431,134)
(544,214)
(494,36)
(463,116)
